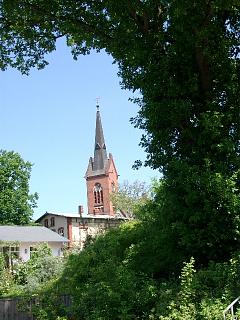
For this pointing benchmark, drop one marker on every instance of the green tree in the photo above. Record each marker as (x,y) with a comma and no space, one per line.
(16,203)
(183,57)
(130,196)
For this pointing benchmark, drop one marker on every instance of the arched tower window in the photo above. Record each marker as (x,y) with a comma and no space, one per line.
(98,193)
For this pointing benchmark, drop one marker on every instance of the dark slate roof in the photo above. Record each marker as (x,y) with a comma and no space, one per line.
(93,173)
(98,163)
(100,151)
(118,216)
(29,234)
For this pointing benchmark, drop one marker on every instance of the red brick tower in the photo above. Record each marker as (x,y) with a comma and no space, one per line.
(101,176)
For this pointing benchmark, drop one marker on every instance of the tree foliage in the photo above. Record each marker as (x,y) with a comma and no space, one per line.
(130,196)
(38,271)
(27,278)
(6,278)
(16,203)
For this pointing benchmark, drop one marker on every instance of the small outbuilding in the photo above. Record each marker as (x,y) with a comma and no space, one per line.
(20,241)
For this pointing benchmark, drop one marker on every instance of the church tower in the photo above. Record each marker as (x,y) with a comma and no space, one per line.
(101,176)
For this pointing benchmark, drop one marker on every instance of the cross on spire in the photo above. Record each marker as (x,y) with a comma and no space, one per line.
(97,101)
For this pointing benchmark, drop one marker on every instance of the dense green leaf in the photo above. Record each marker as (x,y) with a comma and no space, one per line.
(16,203)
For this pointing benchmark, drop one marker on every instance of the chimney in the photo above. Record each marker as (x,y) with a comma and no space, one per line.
(80,210)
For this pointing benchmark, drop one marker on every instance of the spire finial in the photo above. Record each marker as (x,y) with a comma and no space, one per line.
(97,101)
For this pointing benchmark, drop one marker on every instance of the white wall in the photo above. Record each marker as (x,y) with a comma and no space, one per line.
(80,227)
(60,222)
(75,231)
(24,249)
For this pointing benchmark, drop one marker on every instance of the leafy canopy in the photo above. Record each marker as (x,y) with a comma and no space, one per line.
(16,203)
(130,196)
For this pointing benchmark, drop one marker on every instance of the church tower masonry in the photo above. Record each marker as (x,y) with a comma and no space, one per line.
(101,176)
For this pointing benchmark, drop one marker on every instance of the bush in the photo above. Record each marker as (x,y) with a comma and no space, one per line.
(41,268)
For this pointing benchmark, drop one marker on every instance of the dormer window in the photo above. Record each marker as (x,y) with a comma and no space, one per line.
(98,193)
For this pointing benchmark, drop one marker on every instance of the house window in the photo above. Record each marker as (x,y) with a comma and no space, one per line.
(98,193)
(61,231)
(10,254)
(14,252)
(52,222)
(46,223)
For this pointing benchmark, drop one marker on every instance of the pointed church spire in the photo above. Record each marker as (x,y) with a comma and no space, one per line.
(100,152)
(101,175)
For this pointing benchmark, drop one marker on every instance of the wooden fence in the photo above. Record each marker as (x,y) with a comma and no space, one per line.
(9,310)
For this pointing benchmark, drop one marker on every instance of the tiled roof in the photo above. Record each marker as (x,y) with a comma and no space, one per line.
(67,215)
(29,234)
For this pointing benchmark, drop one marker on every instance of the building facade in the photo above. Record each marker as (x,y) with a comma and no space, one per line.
(77,229)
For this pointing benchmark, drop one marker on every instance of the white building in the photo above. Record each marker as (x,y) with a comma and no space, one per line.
(20,241)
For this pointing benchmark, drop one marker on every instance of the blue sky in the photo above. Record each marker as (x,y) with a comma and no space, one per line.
(48,117)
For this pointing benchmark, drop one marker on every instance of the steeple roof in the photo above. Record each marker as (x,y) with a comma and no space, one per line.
(100,152)
(101,176)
